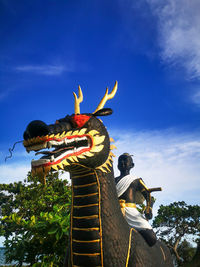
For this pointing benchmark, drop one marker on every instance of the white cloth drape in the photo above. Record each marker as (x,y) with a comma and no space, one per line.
(133,217)
(124,184)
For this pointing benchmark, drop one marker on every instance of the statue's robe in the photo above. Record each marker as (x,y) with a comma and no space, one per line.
(134,218)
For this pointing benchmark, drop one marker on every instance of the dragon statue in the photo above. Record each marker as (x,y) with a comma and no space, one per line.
(99,234)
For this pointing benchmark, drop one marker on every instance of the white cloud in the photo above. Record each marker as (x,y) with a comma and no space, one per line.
(196,97)
(13,172)
(164,159)
(179,32)
(44,69)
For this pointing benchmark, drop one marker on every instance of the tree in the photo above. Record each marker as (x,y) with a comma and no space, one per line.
(177,223)
(35,220)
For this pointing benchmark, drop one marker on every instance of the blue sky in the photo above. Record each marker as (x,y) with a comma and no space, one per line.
(151,47)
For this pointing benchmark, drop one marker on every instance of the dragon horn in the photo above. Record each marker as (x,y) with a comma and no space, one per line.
(78,100)
(107,97)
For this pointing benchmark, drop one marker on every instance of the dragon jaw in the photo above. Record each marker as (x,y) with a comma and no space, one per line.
(70,147)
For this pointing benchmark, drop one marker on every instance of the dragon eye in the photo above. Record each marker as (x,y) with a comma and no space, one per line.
(79,120)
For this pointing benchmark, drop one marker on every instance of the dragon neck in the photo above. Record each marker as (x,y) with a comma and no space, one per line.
(95,215)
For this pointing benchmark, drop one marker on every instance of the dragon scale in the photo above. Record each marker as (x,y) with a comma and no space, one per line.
(99,234)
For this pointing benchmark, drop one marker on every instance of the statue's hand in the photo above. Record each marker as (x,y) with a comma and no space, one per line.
(148,213)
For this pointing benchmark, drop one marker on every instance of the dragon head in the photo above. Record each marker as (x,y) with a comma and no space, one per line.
(75,139)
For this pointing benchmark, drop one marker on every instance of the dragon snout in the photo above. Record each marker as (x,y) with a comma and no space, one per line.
(36,128)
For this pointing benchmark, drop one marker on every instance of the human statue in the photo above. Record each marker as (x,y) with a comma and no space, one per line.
(132,191)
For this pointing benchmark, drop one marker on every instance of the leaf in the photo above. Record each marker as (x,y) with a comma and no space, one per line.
(53,231)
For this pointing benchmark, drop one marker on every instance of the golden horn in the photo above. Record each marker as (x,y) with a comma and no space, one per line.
(78,100)
(107,97)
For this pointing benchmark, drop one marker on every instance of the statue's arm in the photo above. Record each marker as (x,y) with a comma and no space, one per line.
(147,195)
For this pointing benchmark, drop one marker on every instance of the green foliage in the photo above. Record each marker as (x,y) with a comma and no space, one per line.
(35,220)
(186,251)
(177,223)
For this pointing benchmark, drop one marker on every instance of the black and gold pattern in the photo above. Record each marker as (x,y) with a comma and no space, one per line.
(99,234)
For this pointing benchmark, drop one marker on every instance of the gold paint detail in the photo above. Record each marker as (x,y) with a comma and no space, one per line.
(86,229)
(93,132)
(113,155)
(100,223)
(113,147)
(105,167)
(88,195)
(86,241)
(98,139)
(85,206)
(71,159)
(112,140)
(61,166)
(101,169)
(81,157)
(74,158)
(64,162)
(129,247)
(82,131)
(78,100)
(130,205)
(86,217)
(97,148)
(83,175)
(110,163)
(63,134)
(123,205)
(75,132)
(94,216)
(71,223)
(86,254)
(143,185)
(69,133)
(163,253)
(54,167)
(79,169)
(85,185)
(88,154)
(107,97)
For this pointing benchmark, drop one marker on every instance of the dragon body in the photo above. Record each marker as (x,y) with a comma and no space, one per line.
(99,234)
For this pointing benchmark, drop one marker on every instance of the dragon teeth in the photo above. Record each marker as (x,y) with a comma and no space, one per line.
(74,158)
(54,167)
(63,134)
(81,157)
(82,131)
(76,132)
(65,163)
(61,166)
(57,136)
(68,133)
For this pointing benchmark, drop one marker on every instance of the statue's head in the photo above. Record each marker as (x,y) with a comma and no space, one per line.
(75,139)
(125,162)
